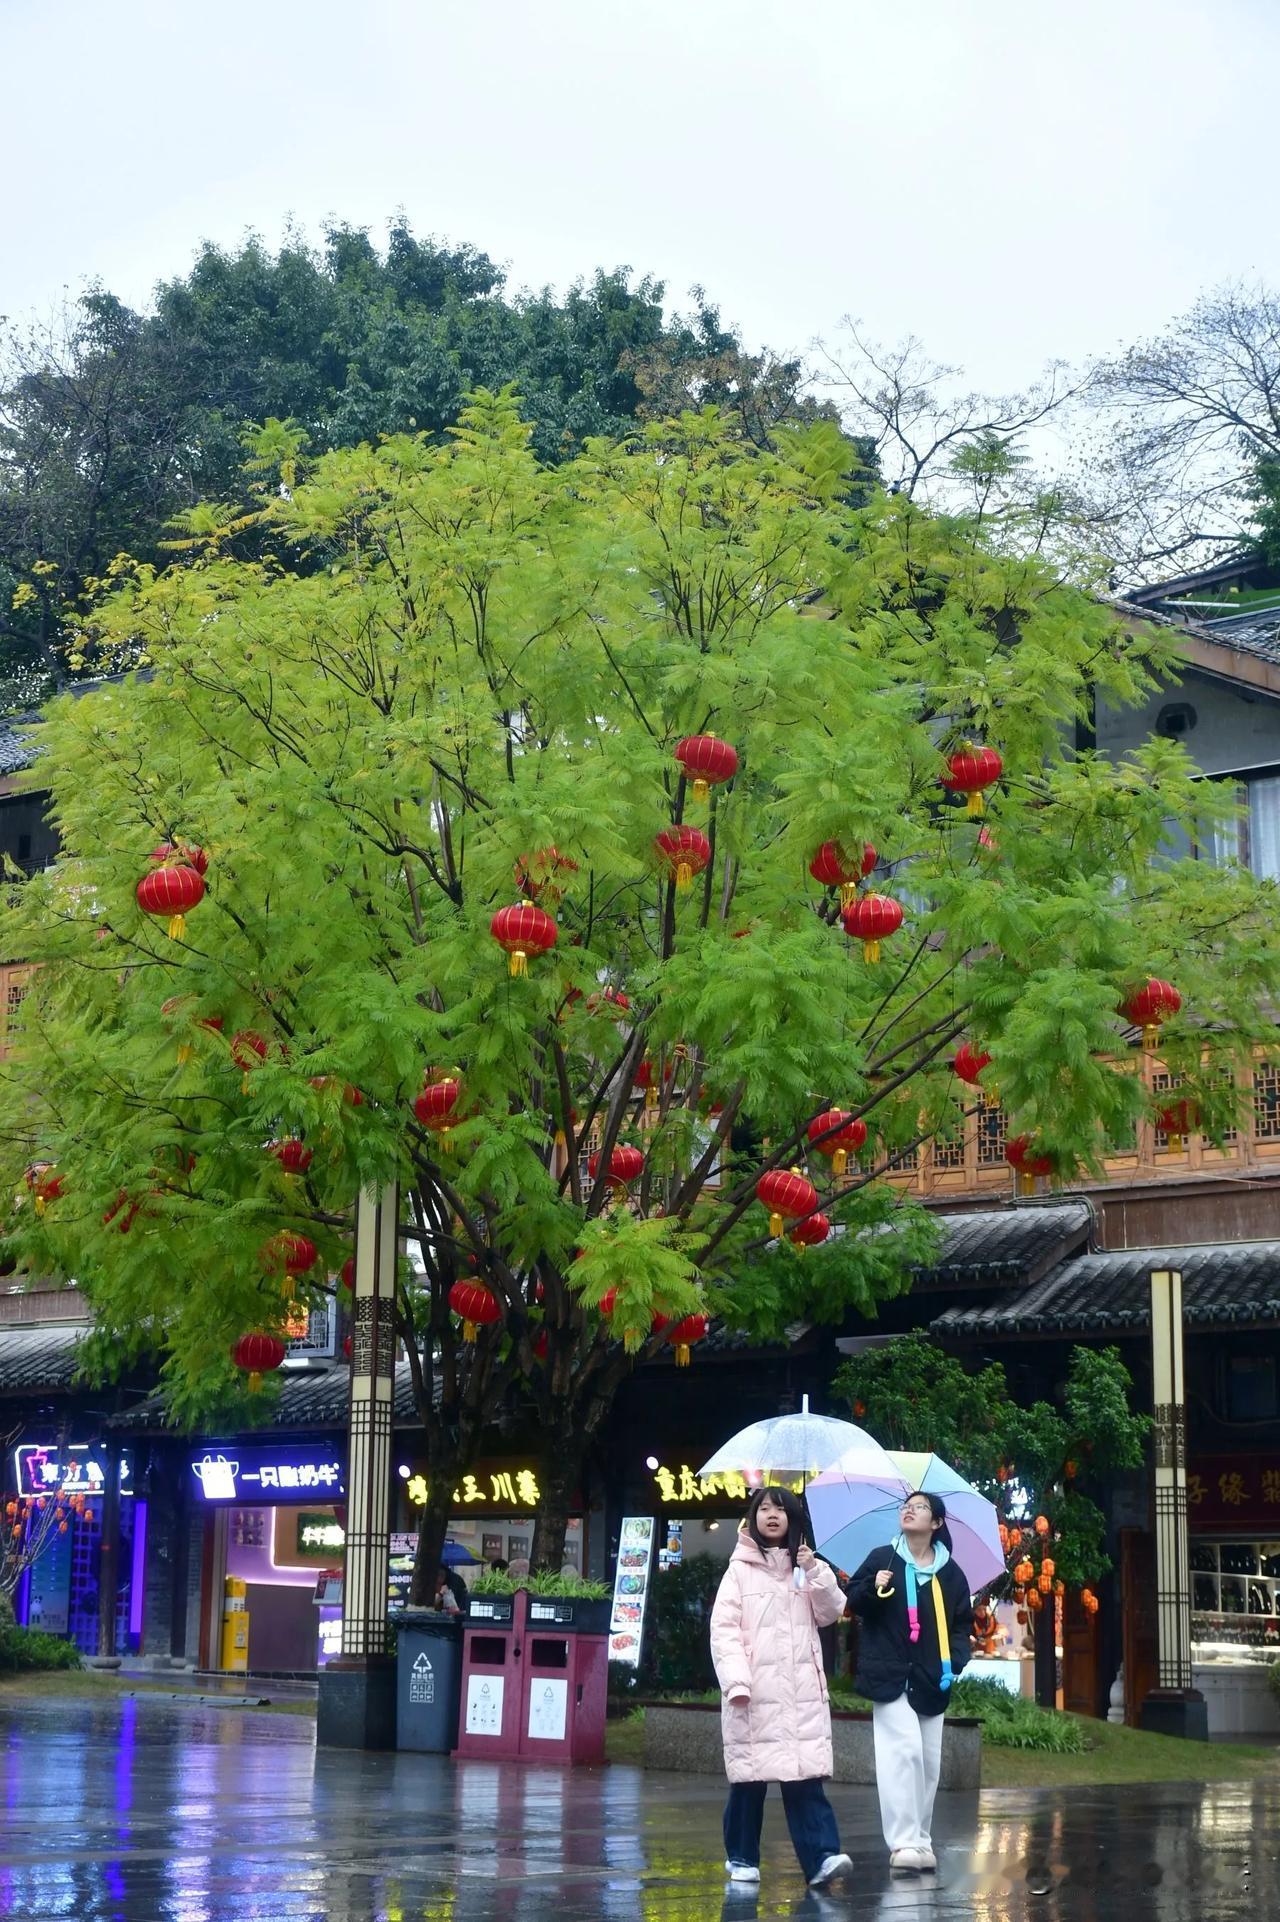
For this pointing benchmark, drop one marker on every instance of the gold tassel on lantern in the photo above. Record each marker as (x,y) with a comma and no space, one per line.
(40,1203)
(1026,1183)
(288,1287)
(775,1226)
(185,1052)
(848,893)
(177,927)
(684,876)
(839,1162)
(469,1332)
(255,1382)
(702,791)
(519,962)
(684,1354)
(871,951)
(1150,1035)
(974,803)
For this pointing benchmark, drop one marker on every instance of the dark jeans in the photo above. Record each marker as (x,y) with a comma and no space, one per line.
(810,1818)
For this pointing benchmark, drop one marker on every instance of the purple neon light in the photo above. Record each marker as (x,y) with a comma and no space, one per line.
(137,1571)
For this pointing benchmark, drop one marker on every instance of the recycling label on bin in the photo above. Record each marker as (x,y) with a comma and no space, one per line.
(422,1682)
(484,1704)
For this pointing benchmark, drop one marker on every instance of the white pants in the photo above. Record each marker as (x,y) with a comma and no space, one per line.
(908,1761)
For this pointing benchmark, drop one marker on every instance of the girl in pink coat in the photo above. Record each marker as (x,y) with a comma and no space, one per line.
(774,1598)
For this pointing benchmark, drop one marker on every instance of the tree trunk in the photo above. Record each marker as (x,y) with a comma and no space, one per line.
(433,1526)
(1045,1663)
(559,1479)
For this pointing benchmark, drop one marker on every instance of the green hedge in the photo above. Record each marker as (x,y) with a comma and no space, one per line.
(31,1648)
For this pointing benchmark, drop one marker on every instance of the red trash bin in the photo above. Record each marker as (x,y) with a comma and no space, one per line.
(565,1680)
(489,1720)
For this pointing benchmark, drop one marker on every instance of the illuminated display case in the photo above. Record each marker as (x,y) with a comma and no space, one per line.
(1235,1601)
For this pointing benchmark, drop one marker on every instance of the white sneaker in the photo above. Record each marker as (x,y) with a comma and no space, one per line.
(928,1860)
(741,1872)
(832,1865)
(906,1861)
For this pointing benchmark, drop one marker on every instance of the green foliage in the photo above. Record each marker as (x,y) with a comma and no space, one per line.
(494,1581)
(676,1657)
(1013,1721)
(441,660)
(911,1395)
(32,1648)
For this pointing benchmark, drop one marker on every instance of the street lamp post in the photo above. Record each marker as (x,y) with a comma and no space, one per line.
(357,1705)
(1175,1707)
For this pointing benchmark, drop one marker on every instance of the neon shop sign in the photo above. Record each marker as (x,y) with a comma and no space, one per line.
(78,1469)
(266,1477)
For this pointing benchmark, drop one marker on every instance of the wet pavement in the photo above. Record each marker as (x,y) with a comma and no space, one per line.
(160,1811)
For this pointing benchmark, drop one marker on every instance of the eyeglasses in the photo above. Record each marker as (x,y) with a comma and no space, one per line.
(917,1508)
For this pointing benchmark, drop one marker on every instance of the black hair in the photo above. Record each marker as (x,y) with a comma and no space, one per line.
(939,1510)
(794,1509)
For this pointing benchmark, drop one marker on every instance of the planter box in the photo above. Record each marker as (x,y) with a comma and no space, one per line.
(686,1737)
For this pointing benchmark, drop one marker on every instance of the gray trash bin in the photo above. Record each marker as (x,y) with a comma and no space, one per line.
(428,1680)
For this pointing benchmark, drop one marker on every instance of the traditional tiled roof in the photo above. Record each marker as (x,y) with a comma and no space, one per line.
(1224,1285)
(314,1399)
(16,750)
(1007,1244)
(33,1360)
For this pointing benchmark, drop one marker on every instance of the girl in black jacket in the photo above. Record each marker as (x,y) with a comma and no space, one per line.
(917,1619)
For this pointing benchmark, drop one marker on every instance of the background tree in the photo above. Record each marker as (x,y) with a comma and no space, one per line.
(112,422)
(479,692)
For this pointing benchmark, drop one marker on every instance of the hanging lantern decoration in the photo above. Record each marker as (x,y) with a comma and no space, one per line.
(290,1255)
(625,1164)
(643,1078)
(836,869)
(1044,1583)
(1090,1601)
(544,875)
(248,1049)
(125,1209)
(1024,1572)
(969,772)
(1048,1566)
(167,853)
(810,1231)
(1175,1123)
(1027,1164)
(45,1184)
(685,1333)
(523,931)
(608,1302)
(1154,1002)
(968,1063)
(871,919)
(256,1356)
(348,1273)
(837,1147)
(788,1195)
(171,890)
(322,1083)
(683,852)
(707,761)
(435,1105)
(474,1306)
(541,1345)
(611,1001)
(293,1155)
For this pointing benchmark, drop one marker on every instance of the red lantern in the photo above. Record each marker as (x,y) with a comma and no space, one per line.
(322,1082)
(541,1345)
(1176,1122)
(683,852)
(45,1183)
(475,1307)
(968,1063)
(346,1348)
(809,1232)
(171,891)
(256,1356)
(348,1274)
(544,874)
(608,1302)
(435,1105)
(523,931)
(1155,1001)
(247,1050)
(192,857)
(624,1165)
(130,1213)
(835,869)
(787,1195)
(837,1147)
(290,1253)
(293,1155)
(871,920)
(707,761)
(969,772)
(643,1078)
(1027,1164)
(685,1333)
(612,1001)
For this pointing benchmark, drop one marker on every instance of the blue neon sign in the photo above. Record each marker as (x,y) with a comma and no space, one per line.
(267,1476)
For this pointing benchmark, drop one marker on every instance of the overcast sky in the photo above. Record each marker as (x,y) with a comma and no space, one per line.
(1012,182)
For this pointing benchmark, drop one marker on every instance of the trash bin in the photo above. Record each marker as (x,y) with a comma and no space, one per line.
(428,1680)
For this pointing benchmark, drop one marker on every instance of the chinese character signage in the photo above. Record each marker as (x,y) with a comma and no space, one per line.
(681,1488)
(264,1477)
(631,1589)
(75,1470)
(493,1489)
(1234,1494)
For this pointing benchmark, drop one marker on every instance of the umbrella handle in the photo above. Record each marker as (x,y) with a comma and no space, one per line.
(885,1593)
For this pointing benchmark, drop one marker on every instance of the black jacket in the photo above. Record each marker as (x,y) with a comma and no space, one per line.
(889,1664)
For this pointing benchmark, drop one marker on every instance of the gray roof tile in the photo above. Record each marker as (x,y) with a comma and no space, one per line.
(1224,1284)
(1007,1244)
(36,1359)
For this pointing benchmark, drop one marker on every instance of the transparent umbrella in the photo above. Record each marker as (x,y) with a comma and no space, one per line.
(787,1447)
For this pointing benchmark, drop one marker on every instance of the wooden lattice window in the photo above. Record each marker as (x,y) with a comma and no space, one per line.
(1164,1084)
(948,1150)
(993,1134)
(1266,1102)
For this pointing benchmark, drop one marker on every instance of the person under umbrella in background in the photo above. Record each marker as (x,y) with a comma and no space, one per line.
(773,1600)
(916,1614)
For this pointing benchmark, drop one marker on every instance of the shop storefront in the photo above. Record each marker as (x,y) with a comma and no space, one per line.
(59,1592)
(273,1541)
(1233,1505)
(491,1514)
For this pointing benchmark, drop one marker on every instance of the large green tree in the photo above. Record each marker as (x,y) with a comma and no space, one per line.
(485,680)
(112,421)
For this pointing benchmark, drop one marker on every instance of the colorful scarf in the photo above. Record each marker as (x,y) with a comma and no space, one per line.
(915,1576)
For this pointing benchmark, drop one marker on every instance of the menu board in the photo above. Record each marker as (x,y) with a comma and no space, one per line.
(631,1588)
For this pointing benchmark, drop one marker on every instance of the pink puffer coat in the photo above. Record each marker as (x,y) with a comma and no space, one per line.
(764,1638)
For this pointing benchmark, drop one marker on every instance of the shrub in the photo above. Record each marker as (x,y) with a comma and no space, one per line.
(677,1644)
(32,1648)
(1011,1721)
(551,1587)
